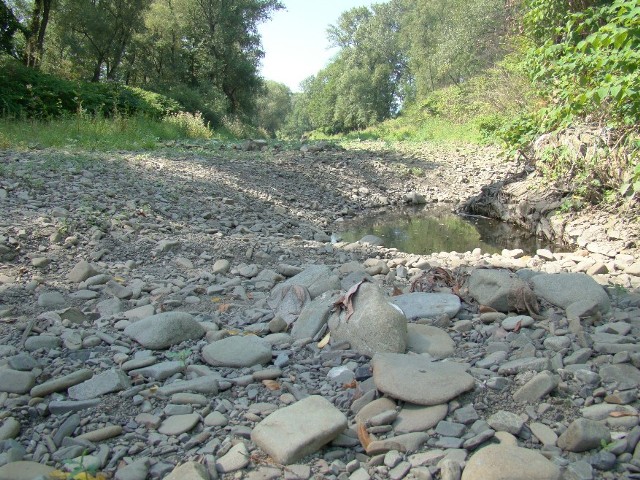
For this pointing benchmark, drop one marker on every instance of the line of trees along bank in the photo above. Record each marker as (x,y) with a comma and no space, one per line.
(203,53)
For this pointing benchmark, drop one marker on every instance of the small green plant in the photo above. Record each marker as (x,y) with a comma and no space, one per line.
(78,470)
(180,355)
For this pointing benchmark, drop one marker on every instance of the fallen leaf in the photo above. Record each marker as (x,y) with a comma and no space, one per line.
(486,309)
(223,307)
(363,435)
(518,326)
(352,384)
(618,414)
(325,340)
(216,299)
(396,292)
(346,301)
(271,385)
(119,279)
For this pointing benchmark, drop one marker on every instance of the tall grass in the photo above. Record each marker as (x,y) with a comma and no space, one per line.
(99,133)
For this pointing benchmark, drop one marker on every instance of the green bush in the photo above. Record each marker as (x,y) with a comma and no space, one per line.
(29,93)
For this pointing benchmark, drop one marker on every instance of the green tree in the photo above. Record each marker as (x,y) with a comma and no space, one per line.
(273,107)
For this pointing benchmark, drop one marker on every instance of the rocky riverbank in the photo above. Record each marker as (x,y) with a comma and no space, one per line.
(183,313)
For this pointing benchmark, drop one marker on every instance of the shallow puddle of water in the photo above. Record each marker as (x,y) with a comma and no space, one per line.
(425,231)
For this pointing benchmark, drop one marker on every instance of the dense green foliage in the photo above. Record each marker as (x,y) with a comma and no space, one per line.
(203,53)
(29,93)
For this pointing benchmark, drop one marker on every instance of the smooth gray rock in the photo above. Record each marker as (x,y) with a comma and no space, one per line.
(61,383)
(237,352)
(418,418)
(621,373)
(179,424)
(16,381)
(427,305)
(375,325)
(106,382)
(372,240)
(9,428)
(316,278)
(207,384)
(565,289)
(293,432)
(313,317)
(518,365)
(288,301)
(583,434)
(159,371)
(427,339)
(24,470)
(503,421)
(51,300)
(507,462)
(406,443)
(165,329)
(502,290)
(134,471)
(81,271)
(234,459)
(416,379)
(189,471)
(536,388)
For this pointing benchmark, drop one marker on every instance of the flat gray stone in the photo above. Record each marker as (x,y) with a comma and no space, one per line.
(407,443)
(316,278)
(313,317)
(375,325)
(16,381)
(518,365)
(416,379)
(207,384)
(427,339)
(159,371)
(503,421)
(61,383)
(106,382)
(165,329)
(9,428)
(189,471)
(293,432)
(81,271)
(621,373)
(235,459)
(583,434)
(544,433)
(237,352)
(417,418)
(24,470)
(507,462)
(51,300)
(537,388)
(288,301)
(565,289)
(65,406)
(179,424)
(137,470)
(427,305)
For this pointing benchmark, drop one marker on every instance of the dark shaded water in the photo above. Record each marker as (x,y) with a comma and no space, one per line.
(425,231)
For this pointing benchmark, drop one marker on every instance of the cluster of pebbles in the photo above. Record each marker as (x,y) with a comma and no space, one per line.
(184,314)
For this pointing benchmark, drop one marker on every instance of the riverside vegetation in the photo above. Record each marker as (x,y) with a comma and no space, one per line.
(174,304)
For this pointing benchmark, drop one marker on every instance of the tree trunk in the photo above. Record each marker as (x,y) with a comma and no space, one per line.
(36,32)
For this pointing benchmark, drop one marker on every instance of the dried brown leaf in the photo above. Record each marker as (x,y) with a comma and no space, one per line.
(352,384)
(271,385)
(486,309)
(518,326)
(618,414)
(346,300)
(223,307)
(396,292)
(363,435)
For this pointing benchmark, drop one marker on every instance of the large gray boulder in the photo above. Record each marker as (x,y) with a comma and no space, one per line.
(165,329)
(316,278)
(501,290)
(374,326)
(570,291)
(502,462)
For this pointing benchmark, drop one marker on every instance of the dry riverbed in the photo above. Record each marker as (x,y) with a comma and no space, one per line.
(165,312)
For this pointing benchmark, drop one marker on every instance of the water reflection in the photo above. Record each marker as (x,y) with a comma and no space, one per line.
(425,231)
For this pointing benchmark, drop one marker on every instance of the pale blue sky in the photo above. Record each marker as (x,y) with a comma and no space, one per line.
(295,39)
